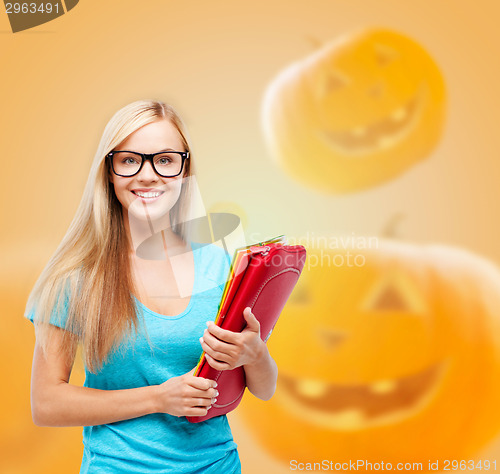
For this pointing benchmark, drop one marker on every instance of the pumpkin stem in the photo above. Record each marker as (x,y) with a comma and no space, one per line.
(390,228)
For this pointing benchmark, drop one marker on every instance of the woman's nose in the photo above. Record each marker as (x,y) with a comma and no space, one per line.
(147,173)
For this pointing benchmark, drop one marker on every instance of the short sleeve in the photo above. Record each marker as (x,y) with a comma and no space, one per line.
(59,315)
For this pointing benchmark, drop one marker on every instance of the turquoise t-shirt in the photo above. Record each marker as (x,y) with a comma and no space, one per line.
(162,443)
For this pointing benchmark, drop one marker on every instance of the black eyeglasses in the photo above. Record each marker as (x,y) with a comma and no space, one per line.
(167,164)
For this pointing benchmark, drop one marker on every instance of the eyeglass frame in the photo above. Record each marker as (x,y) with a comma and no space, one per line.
(148,157)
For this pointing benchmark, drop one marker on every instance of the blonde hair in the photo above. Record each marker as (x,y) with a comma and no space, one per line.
(90,271)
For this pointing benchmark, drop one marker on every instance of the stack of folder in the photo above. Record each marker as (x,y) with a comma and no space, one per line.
(239,265)
(261,276)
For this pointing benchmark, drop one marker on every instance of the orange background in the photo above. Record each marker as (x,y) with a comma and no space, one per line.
(212,60)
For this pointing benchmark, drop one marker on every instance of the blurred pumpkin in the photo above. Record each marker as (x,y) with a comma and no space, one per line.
(389,353)
(356,113)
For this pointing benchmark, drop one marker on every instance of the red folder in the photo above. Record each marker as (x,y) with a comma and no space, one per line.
(261,277)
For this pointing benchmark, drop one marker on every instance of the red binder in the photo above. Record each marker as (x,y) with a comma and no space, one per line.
(261,277)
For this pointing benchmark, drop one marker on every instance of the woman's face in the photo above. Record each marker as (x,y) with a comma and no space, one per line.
(134,193)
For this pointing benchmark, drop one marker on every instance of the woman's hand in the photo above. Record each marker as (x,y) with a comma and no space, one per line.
(187,395)
(226,350)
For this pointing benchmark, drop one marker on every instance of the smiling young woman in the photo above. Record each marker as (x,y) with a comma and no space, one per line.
(139,317)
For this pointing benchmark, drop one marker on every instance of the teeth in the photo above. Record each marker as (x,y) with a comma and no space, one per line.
(350,419)
(383,386)
(399,114)
(311,388)
(146,195)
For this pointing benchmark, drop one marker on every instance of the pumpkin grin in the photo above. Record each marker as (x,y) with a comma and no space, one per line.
(381,135)
(355,407)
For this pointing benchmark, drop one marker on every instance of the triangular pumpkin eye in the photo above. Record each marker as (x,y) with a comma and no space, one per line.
(300,294)
(385,54)
(335,80)
(394,292)
(390,299)
(330,338)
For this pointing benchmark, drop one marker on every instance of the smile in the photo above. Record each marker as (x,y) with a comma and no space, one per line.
(148,195)
(356,407)
(380,135)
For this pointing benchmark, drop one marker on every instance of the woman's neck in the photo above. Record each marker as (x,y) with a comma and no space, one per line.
(152,239)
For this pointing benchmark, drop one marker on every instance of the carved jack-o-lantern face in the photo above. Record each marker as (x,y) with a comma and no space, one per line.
(384,359)
(391,303)
(358,112)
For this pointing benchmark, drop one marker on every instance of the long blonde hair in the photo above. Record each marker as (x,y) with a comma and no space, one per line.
(90,272)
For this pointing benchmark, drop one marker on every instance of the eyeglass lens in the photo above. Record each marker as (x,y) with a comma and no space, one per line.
(128,163)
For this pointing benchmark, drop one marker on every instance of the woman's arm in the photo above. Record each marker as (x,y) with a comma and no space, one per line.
(261,376)
(226,350)
(55,402)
